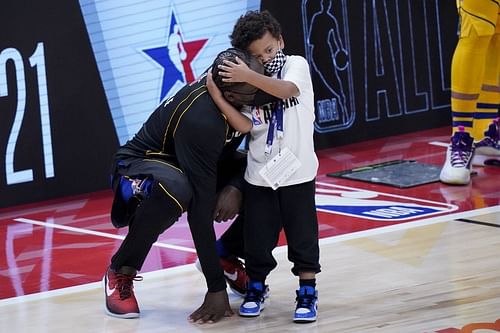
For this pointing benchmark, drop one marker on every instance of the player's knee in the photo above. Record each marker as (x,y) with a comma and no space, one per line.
(475,43)
(177,190)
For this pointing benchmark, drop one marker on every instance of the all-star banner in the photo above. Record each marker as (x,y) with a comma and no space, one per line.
(147,50)
(78,78)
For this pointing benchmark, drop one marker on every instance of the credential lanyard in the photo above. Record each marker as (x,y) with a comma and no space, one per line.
(276,124)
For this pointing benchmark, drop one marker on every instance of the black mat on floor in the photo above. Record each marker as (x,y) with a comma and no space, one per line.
(398,173)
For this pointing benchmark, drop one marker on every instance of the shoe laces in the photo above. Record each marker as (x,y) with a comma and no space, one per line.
(304,299)
(461,149)
(125,284)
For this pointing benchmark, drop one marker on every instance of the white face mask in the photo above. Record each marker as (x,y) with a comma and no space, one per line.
(274,65)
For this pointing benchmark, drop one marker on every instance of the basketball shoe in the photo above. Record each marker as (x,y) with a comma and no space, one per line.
(119,294)
(456,169)
(307,305)
(255,299)
(234,273)
(488,149)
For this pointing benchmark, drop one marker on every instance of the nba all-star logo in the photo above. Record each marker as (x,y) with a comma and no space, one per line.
(175,57)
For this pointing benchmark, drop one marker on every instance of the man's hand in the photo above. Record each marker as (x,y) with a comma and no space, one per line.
(228,203)
(214,307)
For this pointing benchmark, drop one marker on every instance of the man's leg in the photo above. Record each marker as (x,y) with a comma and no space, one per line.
(153,215)
(230,250)
(231,241)
(485,125)
(478,18)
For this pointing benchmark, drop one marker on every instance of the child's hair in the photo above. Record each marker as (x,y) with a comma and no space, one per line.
(252,26)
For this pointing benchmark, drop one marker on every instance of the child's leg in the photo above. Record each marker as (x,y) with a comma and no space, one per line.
(301,228)
(261,233)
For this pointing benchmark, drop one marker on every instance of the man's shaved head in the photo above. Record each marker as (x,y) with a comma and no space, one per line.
(237,93)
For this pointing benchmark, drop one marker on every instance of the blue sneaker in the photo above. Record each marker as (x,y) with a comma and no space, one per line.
(254,301)
(307,305)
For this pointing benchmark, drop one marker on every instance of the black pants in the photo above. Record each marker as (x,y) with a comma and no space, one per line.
(169,197)
(292,208)
(232,238)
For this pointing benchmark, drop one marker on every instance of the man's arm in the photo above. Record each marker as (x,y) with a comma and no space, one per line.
(198,144)
(234,117)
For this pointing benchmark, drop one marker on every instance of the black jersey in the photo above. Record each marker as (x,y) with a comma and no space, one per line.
(189,130)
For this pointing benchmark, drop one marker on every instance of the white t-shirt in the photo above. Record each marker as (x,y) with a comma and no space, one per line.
(298,128)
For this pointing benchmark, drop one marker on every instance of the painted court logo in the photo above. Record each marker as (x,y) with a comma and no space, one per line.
(336,199)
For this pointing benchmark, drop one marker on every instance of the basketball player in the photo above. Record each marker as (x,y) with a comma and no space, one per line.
(475,91)
(167,168)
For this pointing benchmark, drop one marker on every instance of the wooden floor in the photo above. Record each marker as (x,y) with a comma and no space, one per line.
(436,270)
(436,275)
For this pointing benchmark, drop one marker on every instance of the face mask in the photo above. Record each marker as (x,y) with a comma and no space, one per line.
(274,65)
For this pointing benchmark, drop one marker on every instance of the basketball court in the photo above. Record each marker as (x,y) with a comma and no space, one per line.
(419,259)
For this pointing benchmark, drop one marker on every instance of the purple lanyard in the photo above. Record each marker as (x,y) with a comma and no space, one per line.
(276,123)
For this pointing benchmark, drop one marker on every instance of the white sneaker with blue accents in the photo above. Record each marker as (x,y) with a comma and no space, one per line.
(255,299)
(307,305)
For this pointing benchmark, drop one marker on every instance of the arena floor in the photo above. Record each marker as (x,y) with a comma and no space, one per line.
(429,270)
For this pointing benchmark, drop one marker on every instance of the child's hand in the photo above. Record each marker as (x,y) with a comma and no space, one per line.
(212,88)
(234,71)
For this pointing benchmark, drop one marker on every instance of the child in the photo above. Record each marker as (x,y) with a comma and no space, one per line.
(279,195)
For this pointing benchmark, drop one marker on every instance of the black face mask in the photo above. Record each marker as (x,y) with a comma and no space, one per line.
(274,65)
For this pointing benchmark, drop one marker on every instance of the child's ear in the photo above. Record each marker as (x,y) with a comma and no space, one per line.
(281,42)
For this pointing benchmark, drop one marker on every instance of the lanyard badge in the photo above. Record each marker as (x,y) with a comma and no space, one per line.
(275,126)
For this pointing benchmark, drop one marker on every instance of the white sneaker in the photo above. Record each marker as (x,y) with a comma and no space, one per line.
(456,169)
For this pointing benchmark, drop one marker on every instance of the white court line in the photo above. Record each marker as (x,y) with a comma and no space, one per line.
(86,287)
(439,144)
(98,233)
(323,241)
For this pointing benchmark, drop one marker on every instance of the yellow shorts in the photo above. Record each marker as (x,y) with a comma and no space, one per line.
(481,15)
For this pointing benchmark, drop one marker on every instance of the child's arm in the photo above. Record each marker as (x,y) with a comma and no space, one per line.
(239,72)
(234,117)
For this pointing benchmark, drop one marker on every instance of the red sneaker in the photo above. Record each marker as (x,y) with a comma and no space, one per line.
(235,274)
(119,294)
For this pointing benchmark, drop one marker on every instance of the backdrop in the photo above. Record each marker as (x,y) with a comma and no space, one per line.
(78,78)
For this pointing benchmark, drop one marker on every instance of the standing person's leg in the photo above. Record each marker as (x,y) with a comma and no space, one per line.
(478,18)
(300,224)
(485,125)
(261,233)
